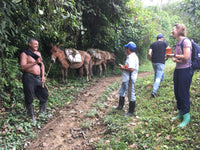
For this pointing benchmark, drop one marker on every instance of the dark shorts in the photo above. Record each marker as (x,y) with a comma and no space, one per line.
(32,85)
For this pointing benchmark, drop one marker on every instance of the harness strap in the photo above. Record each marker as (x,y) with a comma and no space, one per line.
(62,59)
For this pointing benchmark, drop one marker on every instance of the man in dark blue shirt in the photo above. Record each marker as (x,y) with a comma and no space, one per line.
(157,56)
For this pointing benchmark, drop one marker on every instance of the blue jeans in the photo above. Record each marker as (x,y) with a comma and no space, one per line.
(159,71)
(127,88)
(163,76)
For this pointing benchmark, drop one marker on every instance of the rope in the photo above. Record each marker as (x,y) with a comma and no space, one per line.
(49,69)
(43,84)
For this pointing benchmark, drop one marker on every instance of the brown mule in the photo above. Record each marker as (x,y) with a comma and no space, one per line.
(98,59)
(57,53)
(110,59)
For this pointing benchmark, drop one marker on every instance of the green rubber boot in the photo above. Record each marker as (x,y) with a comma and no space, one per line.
(186,120)
(179,116)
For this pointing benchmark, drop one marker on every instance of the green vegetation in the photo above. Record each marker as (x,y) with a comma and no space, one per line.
(152,126)
(104,24)
(80,24)
(92,113)
(17,128)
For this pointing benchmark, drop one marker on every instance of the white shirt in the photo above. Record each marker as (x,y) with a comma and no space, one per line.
(133,62)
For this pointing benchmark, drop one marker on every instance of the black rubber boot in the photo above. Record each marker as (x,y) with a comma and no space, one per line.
(121,103)
(131,108)
(30,111)
(43,107)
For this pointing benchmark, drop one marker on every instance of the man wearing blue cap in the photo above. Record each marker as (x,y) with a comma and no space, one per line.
(157,56)
(129,76)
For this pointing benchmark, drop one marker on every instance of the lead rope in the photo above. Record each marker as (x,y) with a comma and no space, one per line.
(43,84)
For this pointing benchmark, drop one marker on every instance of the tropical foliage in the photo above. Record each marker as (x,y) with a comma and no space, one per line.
(192,11)
(81,24)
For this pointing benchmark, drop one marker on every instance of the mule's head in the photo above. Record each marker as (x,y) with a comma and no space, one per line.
(54,52)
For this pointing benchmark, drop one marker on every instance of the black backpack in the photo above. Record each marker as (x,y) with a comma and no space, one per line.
(195,54)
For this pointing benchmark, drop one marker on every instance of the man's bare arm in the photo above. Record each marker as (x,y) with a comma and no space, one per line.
(150,53)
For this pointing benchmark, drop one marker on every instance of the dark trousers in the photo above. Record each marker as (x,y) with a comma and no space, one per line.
(32,85)
(182,81)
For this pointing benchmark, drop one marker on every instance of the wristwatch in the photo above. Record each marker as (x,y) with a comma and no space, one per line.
(174,55)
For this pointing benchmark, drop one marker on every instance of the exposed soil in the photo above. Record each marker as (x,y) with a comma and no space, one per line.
(66,132)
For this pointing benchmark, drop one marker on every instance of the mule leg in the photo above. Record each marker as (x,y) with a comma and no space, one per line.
(90,70)
(86,66)
(105,69)
(66,71)
(100,71)
(111,63)
(80,73)
(63,74)
(113,66)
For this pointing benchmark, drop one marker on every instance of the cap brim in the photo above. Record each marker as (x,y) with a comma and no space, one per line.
(126,45)
(160,36)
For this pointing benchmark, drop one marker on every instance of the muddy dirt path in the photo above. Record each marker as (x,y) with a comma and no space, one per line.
(65,132)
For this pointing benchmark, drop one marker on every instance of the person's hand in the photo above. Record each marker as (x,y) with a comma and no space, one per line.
(169,55)
(39,60)
(177,60)
(121,67)
(43,79)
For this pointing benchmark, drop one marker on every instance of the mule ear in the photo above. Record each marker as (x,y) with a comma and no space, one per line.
(59,45)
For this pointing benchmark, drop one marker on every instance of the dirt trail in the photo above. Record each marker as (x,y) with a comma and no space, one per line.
(64,132)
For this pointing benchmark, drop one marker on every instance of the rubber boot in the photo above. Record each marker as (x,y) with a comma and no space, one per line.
(179,116)
(30,111)
(186,120)
(43,107)
(121,103)
(131,108)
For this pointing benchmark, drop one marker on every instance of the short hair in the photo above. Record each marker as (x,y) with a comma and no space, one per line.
(31,40)
(181,29)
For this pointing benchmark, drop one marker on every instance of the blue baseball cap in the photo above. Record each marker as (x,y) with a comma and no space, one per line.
(132,46)
(160,36)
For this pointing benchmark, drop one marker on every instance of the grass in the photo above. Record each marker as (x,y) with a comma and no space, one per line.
(17,129)
(152,127)
(92,113)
